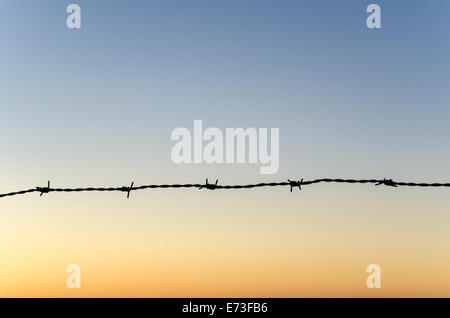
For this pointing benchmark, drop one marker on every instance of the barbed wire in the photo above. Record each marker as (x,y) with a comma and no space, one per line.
(215,186)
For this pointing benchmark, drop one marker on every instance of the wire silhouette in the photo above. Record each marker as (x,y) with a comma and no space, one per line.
(216,186)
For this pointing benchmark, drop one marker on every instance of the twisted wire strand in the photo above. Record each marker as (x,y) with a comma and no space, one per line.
(216,186)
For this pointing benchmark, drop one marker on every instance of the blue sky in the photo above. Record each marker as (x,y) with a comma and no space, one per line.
(138,69)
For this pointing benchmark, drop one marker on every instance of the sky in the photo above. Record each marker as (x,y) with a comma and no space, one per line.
(96,107)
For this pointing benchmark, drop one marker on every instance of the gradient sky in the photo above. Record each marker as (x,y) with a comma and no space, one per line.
(96,106)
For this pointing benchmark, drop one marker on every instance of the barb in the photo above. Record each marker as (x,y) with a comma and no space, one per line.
(209,186)
(128,189)
(44,190)
(216,186)
(295,184)
(387,182)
